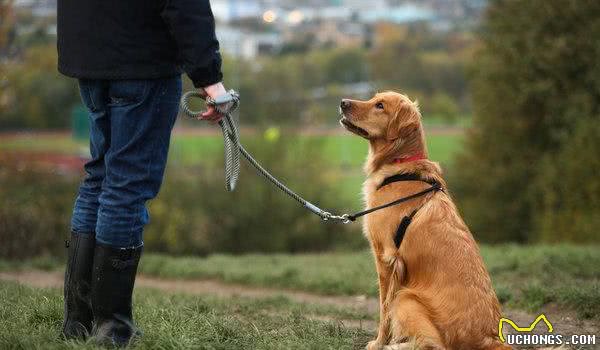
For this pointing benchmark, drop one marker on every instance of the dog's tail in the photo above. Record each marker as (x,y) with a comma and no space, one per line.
(397,278)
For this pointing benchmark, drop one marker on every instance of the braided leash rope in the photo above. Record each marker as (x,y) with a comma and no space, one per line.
(226,104)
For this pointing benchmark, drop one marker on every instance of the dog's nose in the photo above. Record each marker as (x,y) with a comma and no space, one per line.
(345,104)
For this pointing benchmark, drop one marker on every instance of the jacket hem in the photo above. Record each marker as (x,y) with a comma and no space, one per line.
(118,75)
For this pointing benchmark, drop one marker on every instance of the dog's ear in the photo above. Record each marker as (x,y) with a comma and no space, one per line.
(404,134)
(405,121)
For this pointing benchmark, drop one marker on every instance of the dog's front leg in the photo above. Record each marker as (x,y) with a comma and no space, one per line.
(384,272)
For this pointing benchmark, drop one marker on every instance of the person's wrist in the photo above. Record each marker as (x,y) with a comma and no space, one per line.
(215,90)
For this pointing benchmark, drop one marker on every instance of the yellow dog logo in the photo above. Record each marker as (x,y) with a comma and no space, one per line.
(540,318)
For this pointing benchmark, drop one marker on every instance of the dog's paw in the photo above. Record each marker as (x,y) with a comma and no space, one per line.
(374,345)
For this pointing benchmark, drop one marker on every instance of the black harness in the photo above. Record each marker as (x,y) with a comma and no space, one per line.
(435,186)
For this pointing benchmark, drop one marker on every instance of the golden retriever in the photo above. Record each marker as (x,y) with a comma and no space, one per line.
(434,289)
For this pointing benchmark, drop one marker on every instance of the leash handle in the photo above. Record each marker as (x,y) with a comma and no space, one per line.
(225,104)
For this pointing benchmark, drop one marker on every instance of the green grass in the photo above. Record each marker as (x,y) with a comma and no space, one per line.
(344,150)
(443,148)
(31,319)
(530,277)
(190,150)
(42,143)
(347,153)
(464,121)
(525,277)
(331,273)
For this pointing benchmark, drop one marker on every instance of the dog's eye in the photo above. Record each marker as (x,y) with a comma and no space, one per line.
(379,105)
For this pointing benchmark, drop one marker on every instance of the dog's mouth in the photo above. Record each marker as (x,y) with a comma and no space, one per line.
(353,128)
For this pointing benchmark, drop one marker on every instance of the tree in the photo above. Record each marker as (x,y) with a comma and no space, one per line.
(443,106)
(536,81)
(6,24)
(38,96)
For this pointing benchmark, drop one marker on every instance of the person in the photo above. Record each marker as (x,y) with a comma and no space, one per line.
(128,57)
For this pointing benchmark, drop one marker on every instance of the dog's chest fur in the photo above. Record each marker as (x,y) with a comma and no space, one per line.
(380,227)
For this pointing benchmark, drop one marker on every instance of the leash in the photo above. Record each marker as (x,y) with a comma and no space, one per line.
(226,104)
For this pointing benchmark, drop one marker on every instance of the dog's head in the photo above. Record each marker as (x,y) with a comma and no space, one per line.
(383,116)
(390,121)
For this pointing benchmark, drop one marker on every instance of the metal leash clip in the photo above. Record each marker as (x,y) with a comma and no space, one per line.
(345,218)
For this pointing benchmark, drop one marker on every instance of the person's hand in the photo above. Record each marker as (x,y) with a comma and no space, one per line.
(213,91)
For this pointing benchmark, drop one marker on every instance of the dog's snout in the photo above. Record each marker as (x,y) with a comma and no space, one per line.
(345,104)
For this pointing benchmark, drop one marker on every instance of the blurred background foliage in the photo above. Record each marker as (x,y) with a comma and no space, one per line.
(193,214)
(256,217)
(298,88)
(35,95)
(526,172)
(35,206)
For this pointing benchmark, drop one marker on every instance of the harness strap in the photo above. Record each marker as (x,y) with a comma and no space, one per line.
(404,177)
(434,188)
(407,220)
(399,236)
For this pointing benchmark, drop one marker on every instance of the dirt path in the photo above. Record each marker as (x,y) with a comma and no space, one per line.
(564,322)
(42,279)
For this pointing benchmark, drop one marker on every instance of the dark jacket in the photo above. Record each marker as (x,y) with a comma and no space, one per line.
(138,39)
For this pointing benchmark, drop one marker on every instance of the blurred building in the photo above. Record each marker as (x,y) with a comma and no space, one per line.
(247,44)
(249,28)
(231,10)
(256,27)
(407,13)
(37,8)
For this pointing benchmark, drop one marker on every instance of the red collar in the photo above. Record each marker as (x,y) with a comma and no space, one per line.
(407,159)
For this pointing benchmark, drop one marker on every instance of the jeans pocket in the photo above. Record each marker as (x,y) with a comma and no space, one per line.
(127,92)
(90,94)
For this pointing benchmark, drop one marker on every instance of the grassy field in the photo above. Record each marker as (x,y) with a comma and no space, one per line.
(525,277)
(346,150)
(558,280)
(56,143)
(175,321)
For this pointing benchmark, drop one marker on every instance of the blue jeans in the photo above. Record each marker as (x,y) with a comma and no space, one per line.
(130,130)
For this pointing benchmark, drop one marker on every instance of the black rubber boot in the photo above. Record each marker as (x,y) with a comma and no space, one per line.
(78,277)
(113,278)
